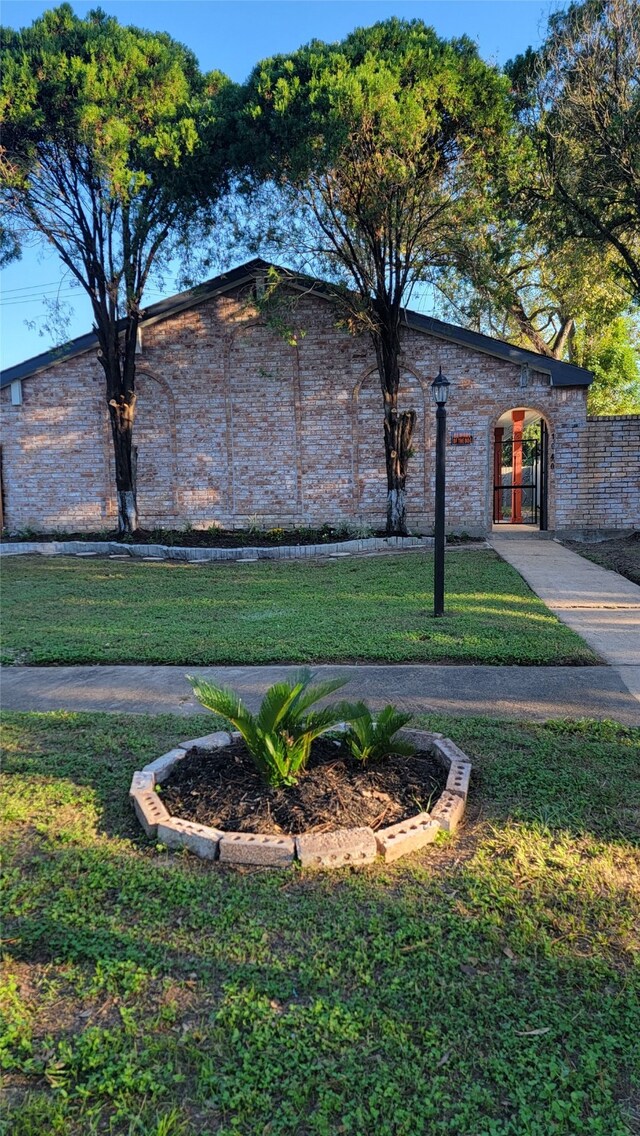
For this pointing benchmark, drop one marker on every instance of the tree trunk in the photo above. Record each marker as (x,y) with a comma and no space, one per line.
(121,411)
(398,425)
(398,432)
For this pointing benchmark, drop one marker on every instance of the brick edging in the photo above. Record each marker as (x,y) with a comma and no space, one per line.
(344,847)
(170,552)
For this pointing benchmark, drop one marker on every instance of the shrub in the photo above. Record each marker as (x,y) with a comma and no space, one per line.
(279,736)
(369,737)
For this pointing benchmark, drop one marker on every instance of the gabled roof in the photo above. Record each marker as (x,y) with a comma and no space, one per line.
(561,374)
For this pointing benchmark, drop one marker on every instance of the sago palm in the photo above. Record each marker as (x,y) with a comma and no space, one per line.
(279,736)
(370,738)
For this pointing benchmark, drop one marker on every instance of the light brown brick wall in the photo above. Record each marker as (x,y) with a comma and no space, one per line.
(235,426)
(609,490)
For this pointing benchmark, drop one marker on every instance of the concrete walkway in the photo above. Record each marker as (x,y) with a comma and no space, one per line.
(601,606)
(534,693)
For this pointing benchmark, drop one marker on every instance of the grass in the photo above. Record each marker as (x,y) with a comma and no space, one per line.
(483,987)
(378,609)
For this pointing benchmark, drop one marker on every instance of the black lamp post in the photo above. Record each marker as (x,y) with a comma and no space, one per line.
(440,389)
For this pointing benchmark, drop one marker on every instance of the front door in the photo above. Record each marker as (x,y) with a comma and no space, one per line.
(520,475)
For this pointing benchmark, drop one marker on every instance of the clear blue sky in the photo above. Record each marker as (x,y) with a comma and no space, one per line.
(232,35)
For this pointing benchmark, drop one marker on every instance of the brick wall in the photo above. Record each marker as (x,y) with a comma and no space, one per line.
(235,426)
(609,488)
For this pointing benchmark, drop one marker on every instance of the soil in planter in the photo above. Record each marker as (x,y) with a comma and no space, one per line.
(212,537)
(620,554)
(223,789)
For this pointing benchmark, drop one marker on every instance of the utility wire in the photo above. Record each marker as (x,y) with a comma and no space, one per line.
(32,287)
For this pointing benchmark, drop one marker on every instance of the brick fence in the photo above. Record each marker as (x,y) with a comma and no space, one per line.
(609,486)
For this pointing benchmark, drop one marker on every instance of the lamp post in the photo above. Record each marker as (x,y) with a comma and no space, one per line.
(440,390)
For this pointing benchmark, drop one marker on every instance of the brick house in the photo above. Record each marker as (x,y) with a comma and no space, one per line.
(235,426)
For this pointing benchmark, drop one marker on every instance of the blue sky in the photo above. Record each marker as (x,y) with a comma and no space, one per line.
(232,35)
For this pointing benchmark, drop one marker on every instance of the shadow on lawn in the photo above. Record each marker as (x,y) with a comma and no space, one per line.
(508,970)
(481,981)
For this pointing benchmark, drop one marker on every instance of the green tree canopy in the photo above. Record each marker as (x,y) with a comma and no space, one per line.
(579,96)
(380,148)
(614,357)
(101,157)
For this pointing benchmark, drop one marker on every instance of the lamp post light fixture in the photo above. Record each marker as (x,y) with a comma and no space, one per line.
(440,389)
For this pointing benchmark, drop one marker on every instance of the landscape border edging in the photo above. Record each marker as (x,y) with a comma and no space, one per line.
(345,847)
(176,552)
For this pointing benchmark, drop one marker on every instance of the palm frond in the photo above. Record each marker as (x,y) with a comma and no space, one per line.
(373,738)
(225,702)
(276,704)
(319,690)
(320,721)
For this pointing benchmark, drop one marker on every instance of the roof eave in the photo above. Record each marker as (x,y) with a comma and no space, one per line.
(560,374)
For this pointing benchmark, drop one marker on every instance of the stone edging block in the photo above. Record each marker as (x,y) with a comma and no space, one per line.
(447,752)
(198,838)
(458,779)
(209,741)
(177,552)
(406,836)
(150,810)
(162,766)
(142,780)
(257,848)
(448,811)
(352,847)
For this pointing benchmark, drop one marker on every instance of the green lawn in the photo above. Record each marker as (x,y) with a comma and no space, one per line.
(362,609)
(483,987)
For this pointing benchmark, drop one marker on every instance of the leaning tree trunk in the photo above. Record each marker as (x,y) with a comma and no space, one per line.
(121,411)
(398,427)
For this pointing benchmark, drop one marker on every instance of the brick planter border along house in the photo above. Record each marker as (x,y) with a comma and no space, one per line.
(236,427)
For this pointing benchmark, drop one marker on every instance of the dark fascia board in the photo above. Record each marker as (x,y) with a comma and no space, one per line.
(561,374)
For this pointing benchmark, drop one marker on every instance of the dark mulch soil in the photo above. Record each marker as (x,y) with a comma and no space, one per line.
(622,554)
(223,789)
(212,537)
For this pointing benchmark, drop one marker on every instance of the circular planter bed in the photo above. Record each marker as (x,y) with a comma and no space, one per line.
(223,788)
(341,812)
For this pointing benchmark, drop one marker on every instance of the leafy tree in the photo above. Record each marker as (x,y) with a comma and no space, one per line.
(375,152)
(614,357)
(510,280)
(101,136)
(580,98)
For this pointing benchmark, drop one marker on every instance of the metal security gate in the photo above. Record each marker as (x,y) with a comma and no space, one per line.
(520,480)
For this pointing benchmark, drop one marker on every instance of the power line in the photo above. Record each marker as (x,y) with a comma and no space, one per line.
(39,297)
(35,299)
(32,287)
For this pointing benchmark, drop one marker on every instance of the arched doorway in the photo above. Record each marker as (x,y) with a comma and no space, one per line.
(520,447)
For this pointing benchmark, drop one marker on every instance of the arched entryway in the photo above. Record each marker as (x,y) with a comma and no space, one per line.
(520,447)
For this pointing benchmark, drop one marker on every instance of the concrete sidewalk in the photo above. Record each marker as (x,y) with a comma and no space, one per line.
(534,693)
(601,606)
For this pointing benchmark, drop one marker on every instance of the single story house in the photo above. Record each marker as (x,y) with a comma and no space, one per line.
(236,426)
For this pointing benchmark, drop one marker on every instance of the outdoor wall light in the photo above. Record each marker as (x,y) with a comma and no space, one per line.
(440,388)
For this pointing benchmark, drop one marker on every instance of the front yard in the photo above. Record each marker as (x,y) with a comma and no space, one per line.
(362,609)
(482,987)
